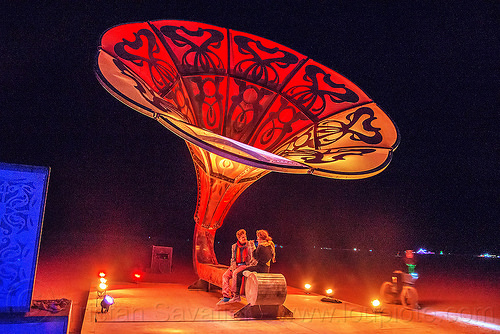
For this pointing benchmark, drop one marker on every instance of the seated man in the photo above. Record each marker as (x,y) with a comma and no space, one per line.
(264,254)
(241,258)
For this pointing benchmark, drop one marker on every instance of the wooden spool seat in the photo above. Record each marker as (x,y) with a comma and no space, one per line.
(265,293)
(265,289)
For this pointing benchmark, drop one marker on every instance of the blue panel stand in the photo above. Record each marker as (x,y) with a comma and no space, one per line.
(23,191)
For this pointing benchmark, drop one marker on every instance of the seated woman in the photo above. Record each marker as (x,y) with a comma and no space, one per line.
(264,254)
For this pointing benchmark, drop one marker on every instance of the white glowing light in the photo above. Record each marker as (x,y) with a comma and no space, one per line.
(466,320)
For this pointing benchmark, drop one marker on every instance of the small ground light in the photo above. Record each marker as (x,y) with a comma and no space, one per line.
(106,302)
(137,276)
(103,284)
(308,287)
(101,289)
(376,306)
(329,298)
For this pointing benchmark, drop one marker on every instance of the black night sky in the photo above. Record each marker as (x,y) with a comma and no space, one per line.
(432,66)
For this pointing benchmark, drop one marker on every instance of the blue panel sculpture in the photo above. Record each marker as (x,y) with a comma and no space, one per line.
(23,191)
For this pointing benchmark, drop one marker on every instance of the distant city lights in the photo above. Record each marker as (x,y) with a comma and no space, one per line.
(424,251)
(420,251)
(489,256)
(355,249)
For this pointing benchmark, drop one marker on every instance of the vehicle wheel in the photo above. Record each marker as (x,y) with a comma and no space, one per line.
(386,293)
(409,297)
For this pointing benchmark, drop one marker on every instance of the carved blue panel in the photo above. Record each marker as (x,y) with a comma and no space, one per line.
(23,191)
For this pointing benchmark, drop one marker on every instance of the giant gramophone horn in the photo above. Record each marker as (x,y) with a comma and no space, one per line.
(245,106)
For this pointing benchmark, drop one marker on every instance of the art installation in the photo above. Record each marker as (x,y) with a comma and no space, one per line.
(245,106)
(23,190)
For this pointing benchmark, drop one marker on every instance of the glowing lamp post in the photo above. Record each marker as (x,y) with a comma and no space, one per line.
(245,106)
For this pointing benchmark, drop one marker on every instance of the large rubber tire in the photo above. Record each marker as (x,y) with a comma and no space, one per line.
(386,293)
(409,297)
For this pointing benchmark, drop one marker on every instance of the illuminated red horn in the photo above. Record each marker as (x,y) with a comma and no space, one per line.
(245,106)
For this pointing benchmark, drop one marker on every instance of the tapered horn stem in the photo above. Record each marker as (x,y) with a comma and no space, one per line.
(220,182)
